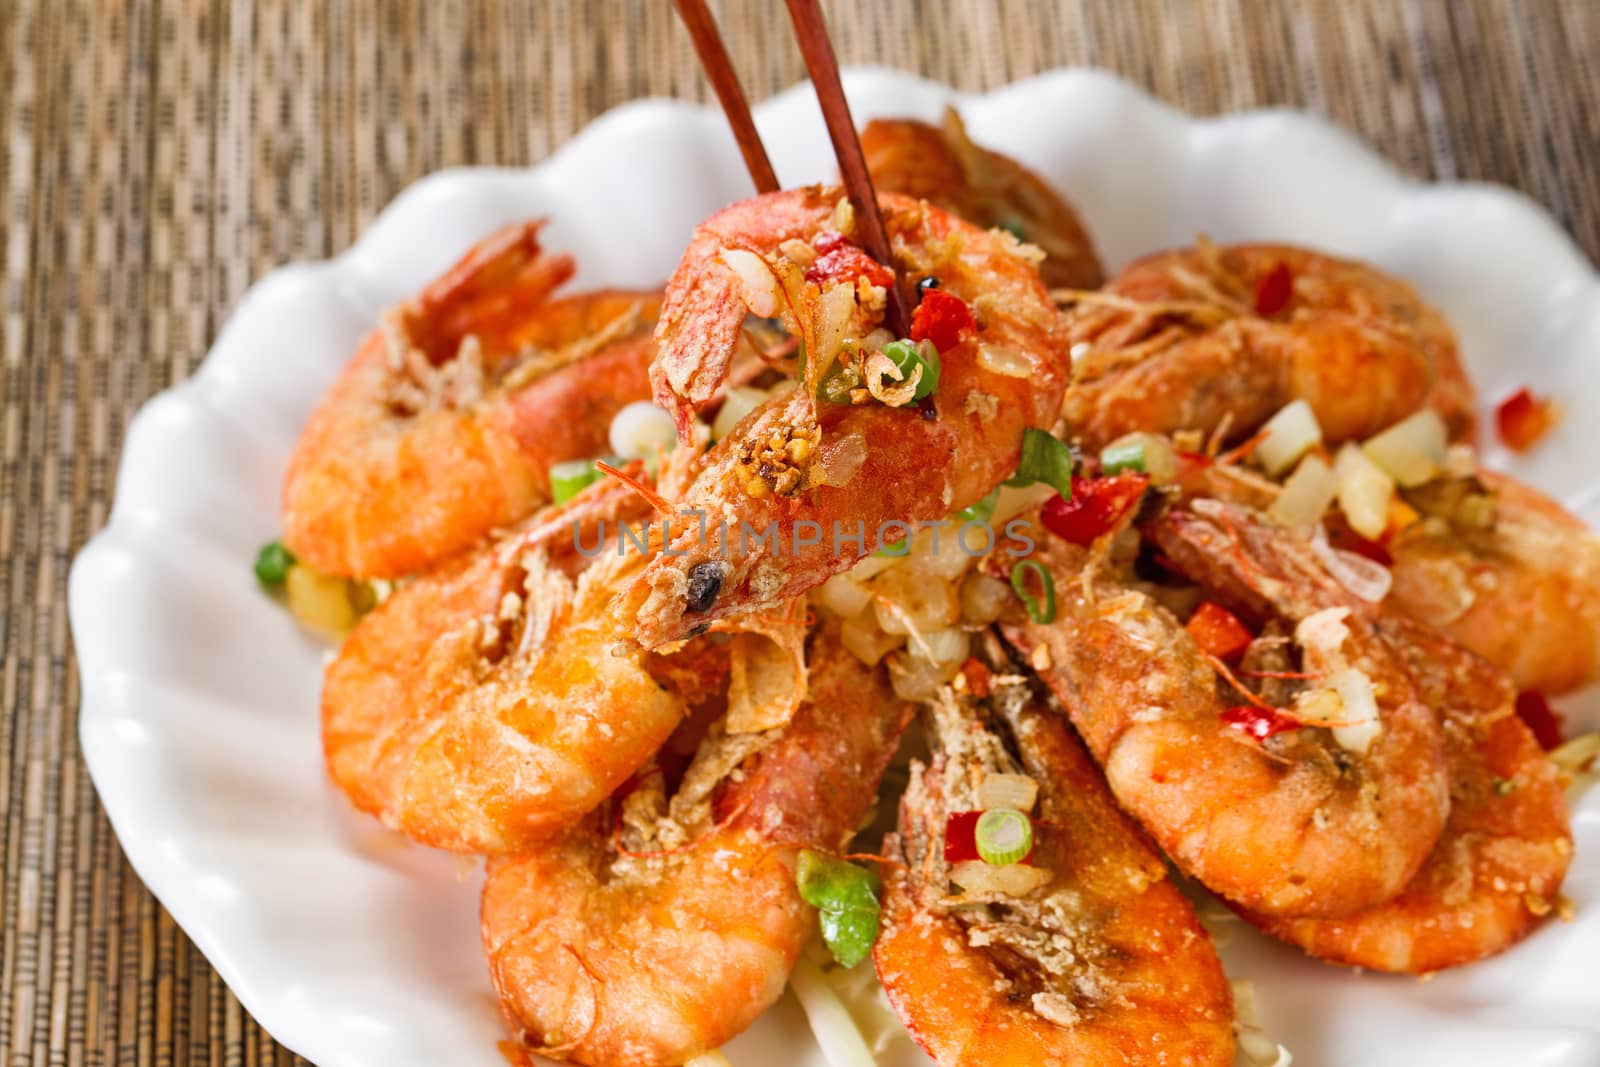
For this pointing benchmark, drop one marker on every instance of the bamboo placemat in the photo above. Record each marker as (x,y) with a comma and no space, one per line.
(158,155)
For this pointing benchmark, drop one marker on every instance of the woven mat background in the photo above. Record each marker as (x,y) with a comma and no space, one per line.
(158,155)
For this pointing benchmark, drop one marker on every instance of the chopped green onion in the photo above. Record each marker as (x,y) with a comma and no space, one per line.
(1044,459)
(1123,457)
(1014,227)
(273,563)
(1004,836)
(980,511)
(1019,582)
(569,479)
(846,899)
(908,356)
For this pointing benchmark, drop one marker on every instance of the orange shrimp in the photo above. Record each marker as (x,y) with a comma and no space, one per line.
(1520,586)
(941,165)
(445,423)
(464,710)
(664,940)
(1311,821)
(1208,338)
(1497,868)
(1105,963)
(788,488)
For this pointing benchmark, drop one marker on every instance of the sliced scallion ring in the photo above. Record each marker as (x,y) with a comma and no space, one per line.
(908,356)
(273,563)
(569,479)
(1042,614)
(1004,836)
(1044,459)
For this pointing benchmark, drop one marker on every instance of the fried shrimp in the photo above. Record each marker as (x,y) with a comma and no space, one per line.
(1104,962)
(802,487)
(1324,806)
(488,704)
(1496,871)
(445,423)
(1507,572)
(941,165)
(1211,338)
(655,931)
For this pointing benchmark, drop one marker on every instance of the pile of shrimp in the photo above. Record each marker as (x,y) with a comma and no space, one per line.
(736,632)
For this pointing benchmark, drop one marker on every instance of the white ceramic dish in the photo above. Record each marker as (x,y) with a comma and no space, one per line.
(352,947)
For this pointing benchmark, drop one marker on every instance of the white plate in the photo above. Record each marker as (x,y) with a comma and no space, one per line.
(352,947)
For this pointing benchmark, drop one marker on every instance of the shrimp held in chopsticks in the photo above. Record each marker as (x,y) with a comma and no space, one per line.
(1102,961)
(1323,805)
(447,420)
(1507,572)
(1496,871)
(655,931)
(880,429)
(1209,338)
(941,165)
(486,705)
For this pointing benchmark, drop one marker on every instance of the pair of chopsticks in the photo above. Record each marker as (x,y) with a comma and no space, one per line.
(811,32)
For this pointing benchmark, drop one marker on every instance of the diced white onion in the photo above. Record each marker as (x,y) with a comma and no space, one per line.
(1360,710)
(863,639)
(914,678)
(1413,451)
(1363,577)
(1008,791)
(1003,359)
(836,321)
(740,401)
(983,879)
(641,428)
(907,600)
(320,602)
(843,596)
(1461,461)
(758,285)
(872,565)
(1307,494)
(835,1031)
(942,646)
(1290,434)
(940,553)
(984,598)
(1576,755)
(1013,501)
(1365,492)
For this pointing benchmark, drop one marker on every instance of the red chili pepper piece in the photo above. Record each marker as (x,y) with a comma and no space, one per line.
(1275,290)
(977,676)
(1348,540)
(1095,507)
(1259,723)
(1218,631)
(840,261)
(961,836)
(1535,711)
(1523,419)
(942,319)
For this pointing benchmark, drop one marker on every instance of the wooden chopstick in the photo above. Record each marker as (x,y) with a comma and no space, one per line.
(720,73)
(811,31)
